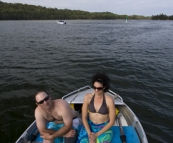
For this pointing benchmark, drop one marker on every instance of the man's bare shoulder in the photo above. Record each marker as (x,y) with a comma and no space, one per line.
(60,102)
(38,109)
(39,113)
(63,108)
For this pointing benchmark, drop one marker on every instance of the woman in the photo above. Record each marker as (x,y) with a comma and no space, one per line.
(98,112)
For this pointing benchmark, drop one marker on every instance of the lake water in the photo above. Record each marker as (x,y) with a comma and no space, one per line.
(137,56)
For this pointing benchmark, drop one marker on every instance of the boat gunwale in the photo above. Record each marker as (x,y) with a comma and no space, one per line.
(26,131)
(115,95)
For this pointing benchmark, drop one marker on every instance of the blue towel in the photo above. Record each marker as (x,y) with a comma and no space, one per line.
(106,137)
(54,126)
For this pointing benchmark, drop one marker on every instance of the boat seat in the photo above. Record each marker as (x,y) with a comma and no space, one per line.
(129,131)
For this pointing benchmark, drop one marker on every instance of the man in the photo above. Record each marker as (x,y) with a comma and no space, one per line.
(54,118)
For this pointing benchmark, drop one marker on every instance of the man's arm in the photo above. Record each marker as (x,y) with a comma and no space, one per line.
(65,112)
(41,123)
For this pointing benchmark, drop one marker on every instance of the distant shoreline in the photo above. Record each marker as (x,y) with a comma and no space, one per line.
(17,11)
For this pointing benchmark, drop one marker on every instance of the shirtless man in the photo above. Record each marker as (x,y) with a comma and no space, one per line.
(56,112)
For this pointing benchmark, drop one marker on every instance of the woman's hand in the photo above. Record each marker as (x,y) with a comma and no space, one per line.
(71,133)
(92,137)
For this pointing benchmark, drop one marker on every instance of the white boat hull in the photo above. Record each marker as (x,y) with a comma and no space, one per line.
(61,22)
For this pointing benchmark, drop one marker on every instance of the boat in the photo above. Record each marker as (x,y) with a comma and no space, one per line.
(127,127)
(61,22)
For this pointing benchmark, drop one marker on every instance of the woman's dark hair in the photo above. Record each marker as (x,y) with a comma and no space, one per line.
(103,79)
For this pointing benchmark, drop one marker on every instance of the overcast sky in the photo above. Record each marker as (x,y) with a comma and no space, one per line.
(129,7)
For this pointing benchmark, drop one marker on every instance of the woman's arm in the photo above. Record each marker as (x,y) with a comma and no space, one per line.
(85,113)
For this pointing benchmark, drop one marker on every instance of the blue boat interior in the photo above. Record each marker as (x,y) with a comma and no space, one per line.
(130,133)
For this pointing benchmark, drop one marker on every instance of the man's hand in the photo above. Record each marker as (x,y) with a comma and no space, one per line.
(71,133)
(47,136)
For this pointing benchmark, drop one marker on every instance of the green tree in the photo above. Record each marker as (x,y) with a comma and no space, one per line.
(17,11)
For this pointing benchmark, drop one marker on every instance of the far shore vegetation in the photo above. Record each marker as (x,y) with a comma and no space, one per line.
(18,11)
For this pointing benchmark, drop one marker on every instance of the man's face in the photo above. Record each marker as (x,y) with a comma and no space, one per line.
(42,100)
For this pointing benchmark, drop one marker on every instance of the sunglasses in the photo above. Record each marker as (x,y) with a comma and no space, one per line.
(98,88)
(42,101)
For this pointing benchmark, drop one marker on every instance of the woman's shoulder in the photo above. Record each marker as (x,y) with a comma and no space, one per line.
(108,98)
(88,96)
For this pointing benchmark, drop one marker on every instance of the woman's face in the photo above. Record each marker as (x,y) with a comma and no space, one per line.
(98,87)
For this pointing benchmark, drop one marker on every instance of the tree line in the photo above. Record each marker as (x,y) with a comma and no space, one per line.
(161,17)
(17,11)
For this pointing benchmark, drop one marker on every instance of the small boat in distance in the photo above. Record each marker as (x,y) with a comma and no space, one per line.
(61,22)
(127,127)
